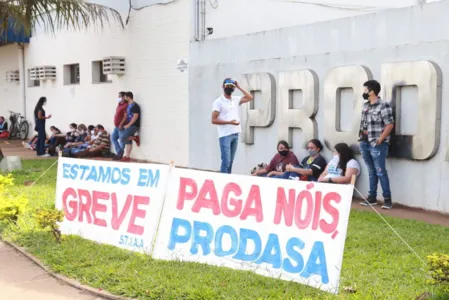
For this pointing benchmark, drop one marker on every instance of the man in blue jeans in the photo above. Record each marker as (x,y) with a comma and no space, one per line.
(375,128)
(118,118)
(130,125)
(225,114)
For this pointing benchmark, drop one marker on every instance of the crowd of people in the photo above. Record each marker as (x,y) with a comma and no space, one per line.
(82,141)
(377,122)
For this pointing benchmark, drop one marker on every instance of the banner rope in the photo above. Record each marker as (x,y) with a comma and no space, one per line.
(42,175)
(391,227)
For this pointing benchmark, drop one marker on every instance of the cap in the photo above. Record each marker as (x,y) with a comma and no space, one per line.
(229,81)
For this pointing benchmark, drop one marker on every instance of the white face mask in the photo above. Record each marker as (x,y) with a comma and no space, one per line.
(119,100)
(336,156)
(92,132)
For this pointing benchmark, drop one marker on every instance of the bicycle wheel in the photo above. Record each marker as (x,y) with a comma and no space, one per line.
(13,131)
(24,129)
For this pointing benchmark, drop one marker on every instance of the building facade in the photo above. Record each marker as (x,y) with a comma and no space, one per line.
(279,41)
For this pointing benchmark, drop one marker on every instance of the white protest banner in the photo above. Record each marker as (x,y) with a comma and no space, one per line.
(284,229)
(112,203)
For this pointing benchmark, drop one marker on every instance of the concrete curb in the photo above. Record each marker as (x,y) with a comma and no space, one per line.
(71,282)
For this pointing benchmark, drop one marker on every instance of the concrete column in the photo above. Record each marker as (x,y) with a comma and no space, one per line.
(22,86)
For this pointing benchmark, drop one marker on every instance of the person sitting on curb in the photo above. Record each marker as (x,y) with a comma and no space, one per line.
(342,166)
(276,168)
(311,166)
(99,148)
(4,133)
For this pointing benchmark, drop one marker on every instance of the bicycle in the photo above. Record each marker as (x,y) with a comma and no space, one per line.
(19,126)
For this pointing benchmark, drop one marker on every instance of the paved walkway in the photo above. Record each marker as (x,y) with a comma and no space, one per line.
(21,279)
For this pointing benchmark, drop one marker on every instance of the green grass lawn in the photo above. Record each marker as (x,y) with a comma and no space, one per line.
(376,263)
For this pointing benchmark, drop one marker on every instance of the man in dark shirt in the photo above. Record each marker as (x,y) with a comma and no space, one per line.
(118,118)
(130,124)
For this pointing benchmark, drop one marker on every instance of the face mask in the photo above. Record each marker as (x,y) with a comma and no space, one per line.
(284,152)
(228,91)
(92,132)
(365,96)
(82,131)
(312,152)
(72,129)
(336,157)
(119,100)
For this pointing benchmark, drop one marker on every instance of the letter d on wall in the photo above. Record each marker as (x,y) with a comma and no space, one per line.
(426,76)
(264,116)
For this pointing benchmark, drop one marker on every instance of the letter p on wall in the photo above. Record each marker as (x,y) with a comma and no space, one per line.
(264,116)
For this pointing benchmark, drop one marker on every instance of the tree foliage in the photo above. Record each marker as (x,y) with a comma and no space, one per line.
(55,14)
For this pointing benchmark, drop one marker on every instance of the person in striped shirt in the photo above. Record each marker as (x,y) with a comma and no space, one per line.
(100,147)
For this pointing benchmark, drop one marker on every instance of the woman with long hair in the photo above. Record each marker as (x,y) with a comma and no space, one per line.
(40,118)
(311,166)
(342,166)
(276,168)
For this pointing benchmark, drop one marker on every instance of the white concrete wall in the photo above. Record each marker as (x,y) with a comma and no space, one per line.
(237,17)
(9,92)
(360,41)
(153,41)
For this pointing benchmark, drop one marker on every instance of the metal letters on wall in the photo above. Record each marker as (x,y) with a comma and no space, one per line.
(307,82)
(426,76)
(338,78)
(263,117)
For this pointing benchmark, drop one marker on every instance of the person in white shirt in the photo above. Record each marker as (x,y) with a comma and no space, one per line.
(342,166)
(225,114)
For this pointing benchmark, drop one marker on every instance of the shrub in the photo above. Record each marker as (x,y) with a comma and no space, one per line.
(10,207)
(48,219)
(5,181)
(439,270)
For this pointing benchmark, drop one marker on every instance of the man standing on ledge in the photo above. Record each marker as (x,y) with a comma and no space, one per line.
(130,125)
(118,118)
(375,128)
(225,114)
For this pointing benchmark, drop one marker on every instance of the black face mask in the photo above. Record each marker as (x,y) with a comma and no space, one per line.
(365,96)
(228,91)
(284,152)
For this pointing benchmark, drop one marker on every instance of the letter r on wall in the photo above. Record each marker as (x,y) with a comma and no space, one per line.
(264,116)
(301,117)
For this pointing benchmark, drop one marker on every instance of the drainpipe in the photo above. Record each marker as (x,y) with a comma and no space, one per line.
(203,19)
(197,20)
(22,88)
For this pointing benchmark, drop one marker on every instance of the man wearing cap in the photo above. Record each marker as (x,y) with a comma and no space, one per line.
(225,114)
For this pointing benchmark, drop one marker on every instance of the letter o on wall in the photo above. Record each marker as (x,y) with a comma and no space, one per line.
(307,82)
(343,77)
(427,77)
(263,117)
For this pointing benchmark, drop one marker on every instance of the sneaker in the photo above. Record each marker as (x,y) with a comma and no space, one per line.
(388,204)
(370,201)
(125,159)
(118,156)
(44,155)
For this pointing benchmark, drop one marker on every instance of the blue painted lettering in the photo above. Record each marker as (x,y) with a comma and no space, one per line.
(202,234)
